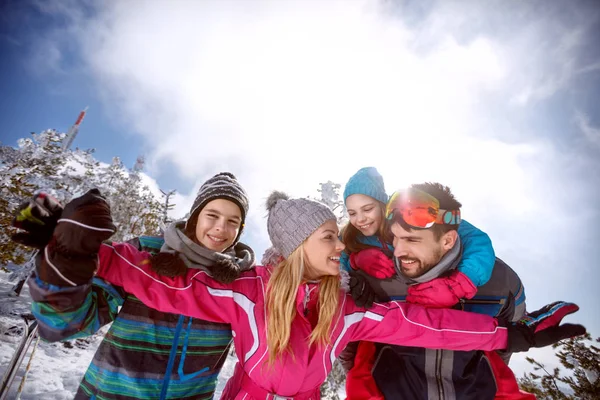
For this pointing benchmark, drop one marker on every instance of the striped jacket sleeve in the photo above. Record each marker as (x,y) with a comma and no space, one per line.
(69,312)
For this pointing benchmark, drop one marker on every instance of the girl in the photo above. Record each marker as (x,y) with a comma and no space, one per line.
(291,321)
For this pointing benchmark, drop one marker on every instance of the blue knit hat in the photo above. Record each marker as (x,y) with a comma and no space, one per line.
(366,181)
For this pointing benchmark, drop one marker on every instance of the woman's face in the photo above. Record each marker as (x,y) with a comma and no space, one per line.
(365,213)
(218,224)
(322,251)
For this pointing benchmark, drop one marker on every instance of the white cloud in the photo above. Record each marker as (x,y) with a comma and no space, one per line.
(590,132)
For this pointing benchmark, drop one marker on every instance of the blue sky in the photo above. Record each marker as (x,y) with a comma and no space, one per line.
(499,100)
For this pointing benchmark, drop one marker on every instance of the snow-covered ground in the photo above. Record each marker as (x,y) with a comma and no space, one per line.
(57,368)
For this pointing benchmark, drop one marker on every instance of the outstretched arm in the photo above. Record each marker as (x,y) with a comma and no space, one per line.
(194,294)
(413,325)
(69,312)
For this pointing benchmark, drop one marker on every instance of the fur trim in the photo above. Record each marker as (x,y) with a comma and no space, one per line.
(271,257)
(168,264)
(345,281)
(274,197)
(225,271)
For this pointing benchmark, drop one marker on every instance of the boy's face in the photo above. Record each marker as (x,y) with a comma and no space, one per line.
(218,224)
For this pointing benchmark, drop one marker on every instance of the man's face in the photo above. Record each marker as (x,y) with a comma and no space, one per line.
(418,250)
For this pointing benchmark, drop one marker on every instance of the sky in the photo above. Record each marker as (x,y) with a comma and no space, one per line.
(498,100)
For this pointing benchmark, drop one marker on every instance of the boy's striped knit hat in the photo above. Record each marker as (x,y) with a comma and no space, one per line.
(223,185)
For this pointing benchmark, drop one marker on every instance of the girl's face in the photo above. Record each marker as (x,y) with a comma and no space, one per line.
(218,224)
(322,251)
(365,213)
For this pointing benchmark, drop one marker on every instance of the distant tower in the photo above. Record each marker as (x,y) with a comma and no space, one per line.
(73,131)
(139,164)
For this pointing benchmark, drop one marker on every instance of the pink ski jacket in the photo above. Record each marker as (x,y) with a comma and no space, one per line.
(242,303)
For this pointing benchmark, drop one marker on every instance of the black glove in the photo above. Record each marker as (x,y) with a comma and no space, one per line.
(360,290)
(71,257)
(36,219)
(541,328)
(85,223)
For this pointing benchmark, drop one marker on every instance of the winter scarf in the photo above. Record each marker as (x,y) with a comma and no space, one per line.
(179,253)
(449,262)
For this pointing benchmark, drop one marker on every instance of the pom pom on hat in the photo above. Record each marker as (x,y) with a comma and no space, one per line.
(274,198)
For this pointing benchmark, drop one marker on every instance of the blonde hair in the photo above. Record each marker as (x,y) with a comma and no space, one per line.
(281,305)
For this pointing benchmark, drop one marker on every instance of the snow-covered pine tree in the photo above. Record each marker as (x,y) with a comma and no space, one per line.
(330,196)
(40,163)
(36,163)
(167,206)
(581,359)
(135,210)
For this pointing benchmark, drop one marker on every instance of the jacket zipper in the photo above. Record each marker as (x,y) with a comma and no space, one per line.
(307,291)
(438,373)
(463,302)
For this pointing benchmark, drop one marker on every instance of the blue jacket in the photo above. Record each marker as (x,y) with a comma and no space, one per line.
(478,255)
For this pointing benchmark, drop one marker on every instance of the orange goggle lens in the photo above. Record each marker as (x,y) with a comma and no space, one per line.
(419,209)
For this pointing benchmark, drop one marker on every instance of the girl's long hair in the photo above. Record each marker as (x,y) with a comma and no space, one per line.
(281,305)
(350,234)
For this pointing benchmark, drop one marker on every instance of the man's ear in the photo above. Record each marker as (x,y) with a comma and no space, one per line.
(449,239)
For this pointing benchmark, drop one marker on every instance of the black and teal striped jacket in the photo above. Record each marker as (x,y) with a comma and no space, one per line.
(146,354)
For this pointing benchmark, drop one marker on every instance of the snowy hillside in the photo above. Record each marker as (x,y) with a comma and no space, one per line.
(57,368)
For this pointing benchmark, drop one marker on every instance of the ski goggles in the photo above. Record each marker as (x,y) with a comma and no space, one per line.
(419,209)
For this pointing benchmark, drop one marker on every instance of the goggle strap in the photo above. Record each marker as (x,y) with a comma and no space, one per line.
(455,218)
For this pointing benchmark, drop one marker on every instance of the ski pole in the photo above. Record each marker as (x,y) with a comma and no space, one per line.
(20,390)
(17,359)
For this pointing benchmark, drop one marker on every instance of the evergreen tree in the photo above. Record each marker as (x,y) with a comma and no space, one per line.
(35,164)
(41,163)
(330,196)
(335,383)
(167,206)
(581,359)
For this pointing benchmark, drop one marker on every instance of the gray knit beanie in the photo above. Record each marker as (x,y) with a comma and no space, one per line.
(291,221)
(223,185)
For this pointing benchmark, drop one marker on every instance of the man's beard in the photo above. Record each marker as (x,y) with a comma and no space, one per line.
(424,267)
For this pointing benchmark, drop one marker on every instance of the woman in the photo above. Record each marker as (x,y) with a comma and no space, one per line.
(290,322)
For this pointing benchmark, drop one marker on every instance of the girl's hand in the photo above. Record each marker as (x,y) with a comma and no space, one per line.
(374,262)
(442,292)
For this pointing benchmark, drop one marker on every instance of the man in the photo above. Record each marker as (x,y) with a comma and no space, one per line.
(424,222)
